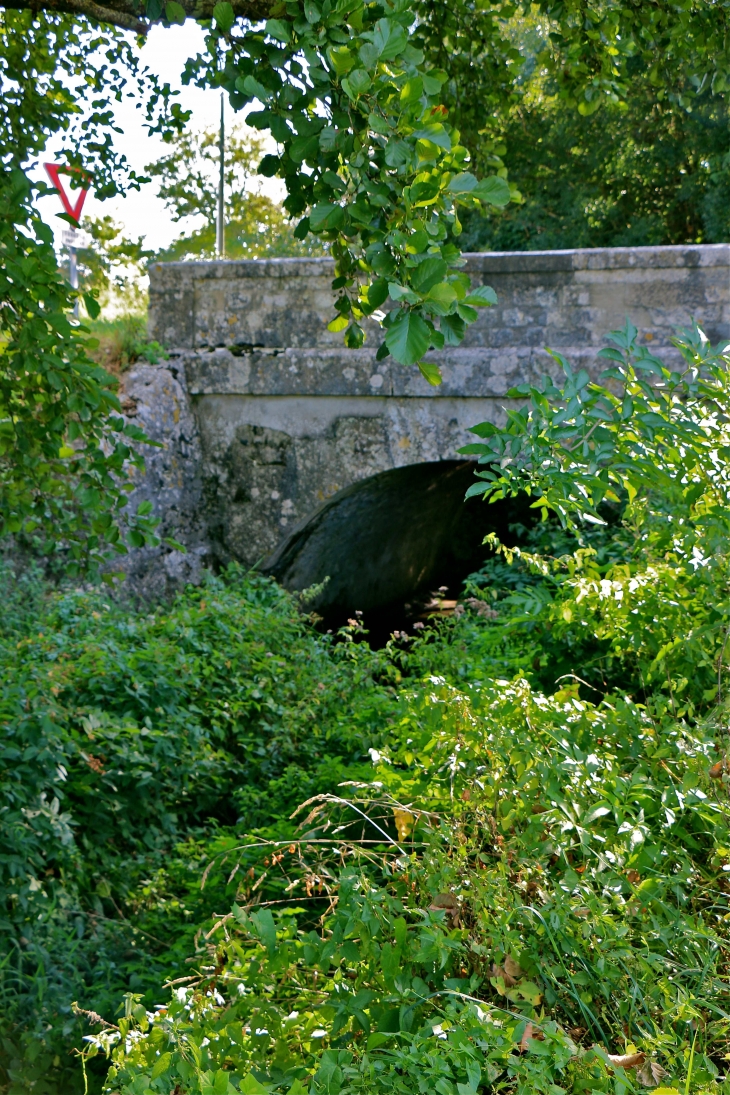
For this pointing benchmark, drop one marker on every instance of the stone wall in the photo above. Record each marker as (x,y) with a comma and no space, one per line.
(279,416)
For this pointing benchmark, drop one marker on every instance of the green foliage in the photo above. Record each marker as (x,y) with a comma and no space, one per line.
(123,341)
(136,746)
(643,172)
(256,226)
(384,170)
(529,893)
(65,450)
(113,267)
(551,893)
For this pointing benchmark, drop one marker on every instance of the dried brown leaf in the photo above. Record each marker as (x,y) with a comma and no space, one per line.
(512,968)
(652,1074)
(626,1060)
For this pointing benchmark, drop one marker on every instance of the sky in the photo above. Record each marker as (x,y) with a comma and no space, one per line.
(142,213)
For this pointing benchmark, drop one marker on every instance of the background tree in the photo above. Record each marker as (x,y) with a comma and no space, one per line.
(256,225)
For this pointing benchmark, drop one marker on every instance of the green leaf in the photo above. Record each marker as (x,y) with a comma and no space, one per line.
(356,84)
(430,372)
(251,1086)
(442,295)
(161,1065)
(175,13)
(224,15)
(252,87)
(453,328)
(221,1081)
(378,292)
(463,183)
(481,297)
(493,191)
(278,30)
(302,229)
(402,292)
(408,338)
(325,217)
(304,148)
(354,336)
(264,922)
(428,273)
(484,429)
(411,91)
(436,134)
(92,305)
(342,59)
(389,39)
(338,324)
(397,153)
(312,12)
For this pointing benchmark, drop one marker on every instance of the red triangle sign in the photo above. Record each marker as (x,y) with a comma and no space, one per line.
(52,170)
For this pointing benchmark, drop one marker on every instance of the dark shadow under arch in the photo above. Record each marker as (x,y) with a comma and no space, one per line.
(387,539)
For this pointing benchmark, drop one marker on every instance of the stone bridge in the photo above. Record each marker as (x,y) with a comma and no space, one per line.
(286,450)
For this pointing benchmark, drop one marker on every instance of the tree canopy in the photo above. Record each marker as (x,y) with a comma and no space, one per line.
(378,111)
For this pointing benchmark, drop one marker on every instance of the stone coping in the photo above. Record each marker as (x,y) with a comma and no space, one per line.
(498,262)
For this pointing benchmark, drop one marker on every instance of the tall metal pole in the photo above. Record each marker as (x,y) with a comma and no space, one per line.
(73,275)
(221,234)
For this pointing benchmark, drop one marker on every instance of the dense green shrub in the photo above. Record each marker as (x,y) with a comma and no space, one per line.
(530,891)
(134,745)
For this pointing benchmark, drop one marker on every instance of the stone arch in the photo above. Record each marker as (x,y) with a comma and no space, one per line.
(392,537)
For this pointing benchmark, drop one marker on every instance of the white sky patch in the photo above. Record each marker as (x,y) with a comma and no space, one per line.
(141,212)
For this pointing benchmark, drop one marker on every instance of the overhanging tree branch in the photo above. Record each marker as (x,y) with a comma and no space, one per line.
(130,15)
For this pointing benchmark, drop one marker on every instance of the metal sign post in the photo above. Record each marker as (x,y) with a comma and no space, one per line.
(76,240)
(73,238)
(221,226)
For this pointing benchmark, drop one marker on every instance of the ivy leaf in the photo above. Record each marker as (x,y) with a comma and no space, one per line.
(408,338)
